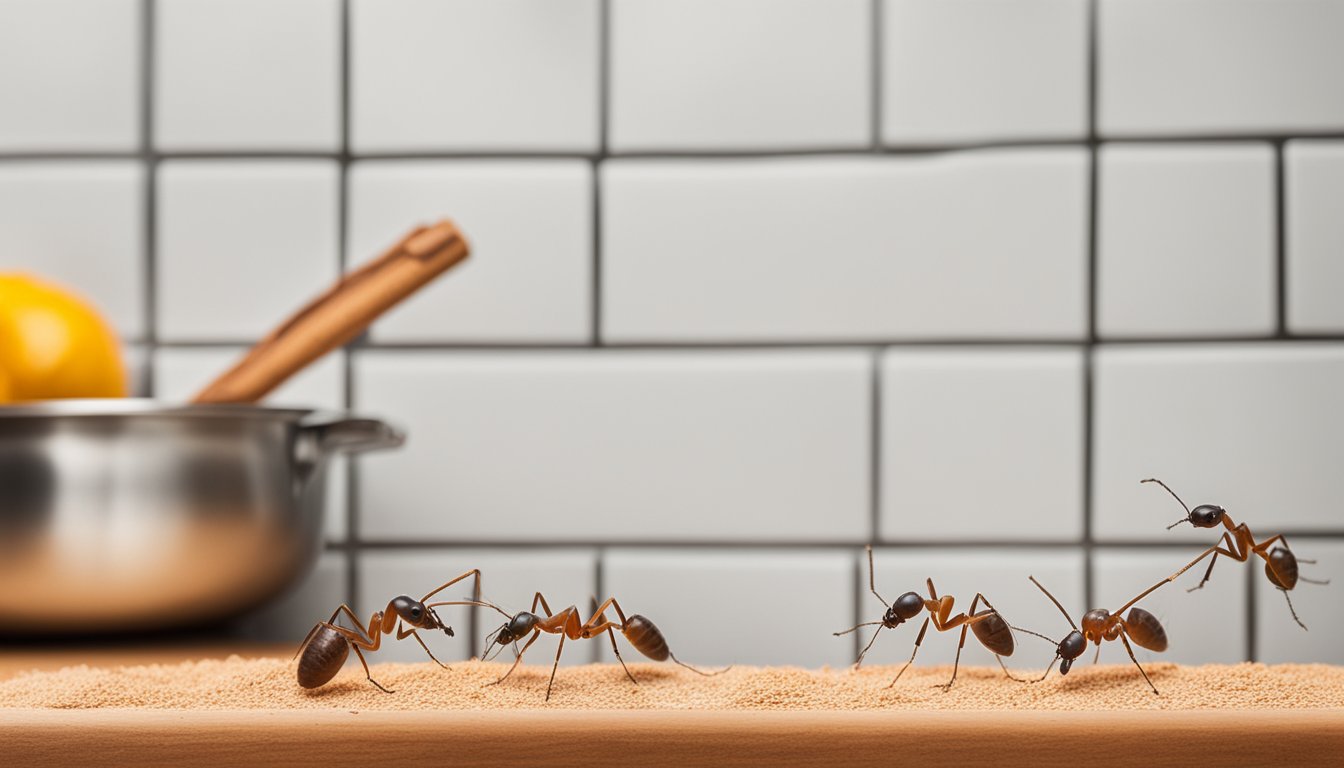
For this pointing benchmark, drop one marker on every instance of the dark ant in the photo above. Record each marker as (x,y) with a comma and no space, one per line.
(1100,624)
(1280,562)
(989,627)
(327,646)
(639,631)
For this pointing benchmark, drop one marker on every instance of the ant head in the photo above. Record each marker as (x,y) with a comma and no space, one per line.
(1207,515)
(519,625)
(1070,648)
(415,613)
(906,607)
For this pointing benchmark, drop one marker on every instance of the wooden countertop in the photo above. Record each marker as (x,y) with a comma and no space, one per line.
(346,735)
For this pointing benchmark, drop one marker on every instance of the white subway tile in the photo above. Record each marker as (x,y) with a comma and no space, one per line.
(1314,230)
(469,75)
(1186,240)
(79,224)
(1278,639)
(70,75)
(1207,626)
(289,617)
(583,446)
(136,359)
(386,574)
(977,244)
(983,70)
(1011,417)
(713,605)
(529,277)
(242,244)
(1219,66)
(181,373)
(247,74)
(1251,427)
(998,574)
(740,74)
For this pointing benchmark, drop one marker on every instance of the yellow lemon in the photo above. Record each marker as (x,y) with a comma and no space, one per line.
(54,344)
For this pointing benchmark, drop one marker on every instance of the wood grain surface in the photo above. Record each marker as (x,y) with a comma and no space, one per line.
(598,738)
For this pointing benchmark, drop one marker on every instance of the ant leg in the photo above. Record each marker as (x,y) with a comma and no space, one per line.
(519,658)
(1290,607)
(918,640)
(1137,664)
(401,635)
(367,674)
(1217,551)
(957,663)
(617,651)
(859,661)
(313,631)
(475,592)
(600,617)
(1004,667)
(1097,657)
(556,666)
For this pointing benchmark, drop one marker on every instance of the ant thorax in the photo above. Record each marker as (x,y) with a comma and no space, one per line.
(1098,624)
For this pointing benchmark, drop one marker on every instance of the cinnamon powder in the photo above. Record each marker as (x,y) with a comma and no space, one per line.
(238,683)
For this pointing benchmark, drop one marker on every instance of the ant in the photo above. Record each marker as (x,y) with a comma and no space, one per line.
(989,627)
(327,646)
(638,630)
(1280,562)
(1100,624)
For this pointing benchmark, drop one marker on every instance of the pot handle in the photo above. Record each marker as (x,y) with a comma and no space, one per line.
(332,433)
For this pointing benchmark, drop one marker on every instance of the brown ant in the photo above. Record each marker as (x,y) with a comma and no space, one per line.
(1100,624)
(327,646)
(1280,562)
(989,627)
(639,631)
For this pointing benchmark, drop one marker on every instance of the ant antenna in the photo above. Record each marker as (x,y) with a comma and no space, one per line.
(855,627)
(1168,489)
(1178,522)
(1067,617)
(872,586)
(1038,634)
(482,602)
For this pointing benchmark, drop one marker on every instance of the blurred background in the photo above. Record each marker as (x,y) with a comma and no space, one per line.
(754,283)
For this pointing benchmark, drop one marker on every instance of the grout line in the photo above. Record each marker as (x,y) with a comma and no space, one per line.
(149,165)
(600,592)
(859,563)
(603,127)
(595,300)
(1089,419)
(875,451)
(1281,240)
(352,578)
(875,95)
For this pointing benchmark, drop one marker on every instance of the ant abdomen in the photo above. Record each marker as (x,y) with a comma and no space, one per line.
(322,658)
(1144,628)
(646,638)
(1281,568)
(994,634)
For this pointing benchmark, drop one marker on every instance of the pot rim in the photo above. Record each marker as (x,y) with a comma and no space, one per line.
(143,406)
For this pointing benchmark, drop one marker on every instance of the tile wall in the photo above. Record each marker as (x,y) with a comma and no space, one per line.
(755,283)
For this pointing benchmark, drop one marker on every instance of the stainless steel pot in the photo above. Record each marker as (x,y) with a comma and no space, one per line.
(130,514)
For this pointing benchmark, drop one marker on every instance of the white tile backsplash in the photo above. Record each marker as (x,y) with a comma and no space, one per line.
(707,602)
(530,275)
(944,410)
(1253,428)
(1186,240)
(740,74)
(1314,234)
(1219,67)
(577,446)
(1278,638)
(474,75)
(958,71)
(753,283)
(1203,627)
(248,74)
(179,373)
(70,75)
(79,224)
(999,574)
(258,234)
(986,245)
